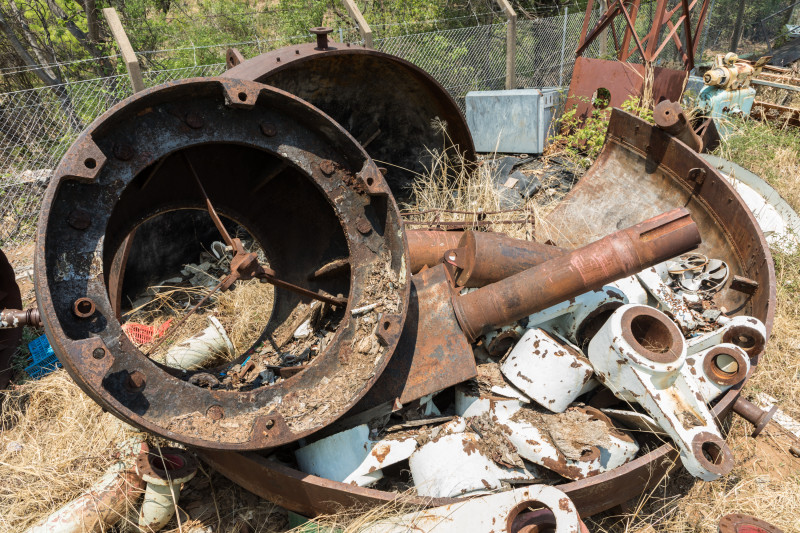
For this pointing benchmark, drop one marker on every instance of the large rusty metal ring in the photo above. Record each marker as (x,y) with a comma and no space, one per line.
(304,189)
(387,103)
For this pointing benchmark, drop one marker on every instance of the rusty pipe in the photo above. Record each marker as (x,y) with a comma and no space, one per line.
(16,318)
(753,414)
(427,247)
(669,116)
(483,258)
(588,268)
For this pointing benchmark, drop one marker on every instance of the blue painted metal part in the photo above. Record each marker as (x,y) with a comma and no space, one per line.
(511,122)
(719,104)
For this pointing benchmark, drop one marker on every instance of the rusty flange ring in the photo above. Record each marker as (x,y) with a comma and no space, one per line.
(386,103)
(742,523)
(307,192)
(10,338)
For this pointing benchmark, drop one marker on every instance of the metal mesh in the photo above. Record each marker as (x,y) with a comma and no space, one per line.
(462,59)
(38,125)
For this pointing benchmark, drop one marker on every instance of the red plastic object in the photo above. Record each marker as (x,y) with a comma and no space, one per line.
(142,334)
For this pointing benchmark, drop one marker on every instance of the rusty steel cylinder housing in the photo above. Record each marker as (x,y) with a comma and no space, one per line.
(427,247)
(272,163)
(615,256)
(483,257)
(396,110)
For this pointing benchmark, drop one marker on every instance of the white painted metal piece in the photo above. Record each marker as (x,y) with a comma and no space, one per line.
(635,420)
(339,456)
(161,498)
(469,403)
(551,373)
(719,368)
(567,318)
(534,444)
(633,290)
(495,512)
(668,300)
(640,355)
(452,465)
(746,332)
(201,348)
(779,222)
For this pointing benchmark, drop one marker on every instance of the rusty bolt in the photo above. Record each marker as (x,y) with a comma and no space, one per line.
(83,307)
(327,167)
(98,353)
(194,120)
(123,151)
(363,226)
(79,219)
(215,412)
(268,129)
(136,381)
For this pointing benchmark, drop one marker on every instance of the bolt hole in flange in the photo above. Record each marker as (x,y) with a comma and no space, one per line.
(90,162)
(262,198)
(83,307)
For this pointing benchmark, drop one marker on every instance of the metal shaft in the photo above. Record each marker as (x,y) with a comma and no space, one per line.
(483,258)
(427,247)
(15,318)
(615,256)
(669,116)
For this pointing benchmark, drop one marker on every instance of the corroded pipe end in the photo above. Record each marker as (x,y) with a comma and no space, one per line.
(753,414)
(669,116)
(427,247)
(658,238)
(613,257)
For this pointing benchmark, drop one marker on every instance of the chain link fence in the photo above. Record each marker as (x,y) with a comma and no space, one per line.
(38,125)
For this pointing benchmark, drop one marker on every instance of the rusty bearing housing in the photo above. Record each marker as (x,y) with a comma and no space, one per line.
(302,187)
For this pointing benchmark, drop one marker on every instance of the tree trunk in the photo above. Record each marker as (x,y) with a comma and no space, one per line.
(737,28)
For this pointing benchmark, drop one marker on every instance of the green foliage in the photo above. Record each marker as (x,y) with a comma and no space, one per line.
(583,139)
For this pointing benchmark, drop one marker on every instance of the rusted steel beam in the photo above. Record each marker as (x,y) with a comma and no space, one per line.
(427,247)
(588,268)
(482,258)
(669,116)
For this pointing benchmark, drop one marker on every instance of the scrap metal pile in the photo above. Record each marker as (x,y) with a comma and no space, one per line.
(596,358)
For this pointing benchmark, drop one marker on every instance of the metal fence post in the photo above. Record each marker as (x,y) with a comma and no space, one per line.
(511,44)
(361,22)
(131,63)
(563,47)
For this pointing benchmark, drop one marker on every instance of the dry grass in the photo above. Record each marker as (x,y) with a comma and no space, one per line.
(461,191)
(243,312)
(66,445)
